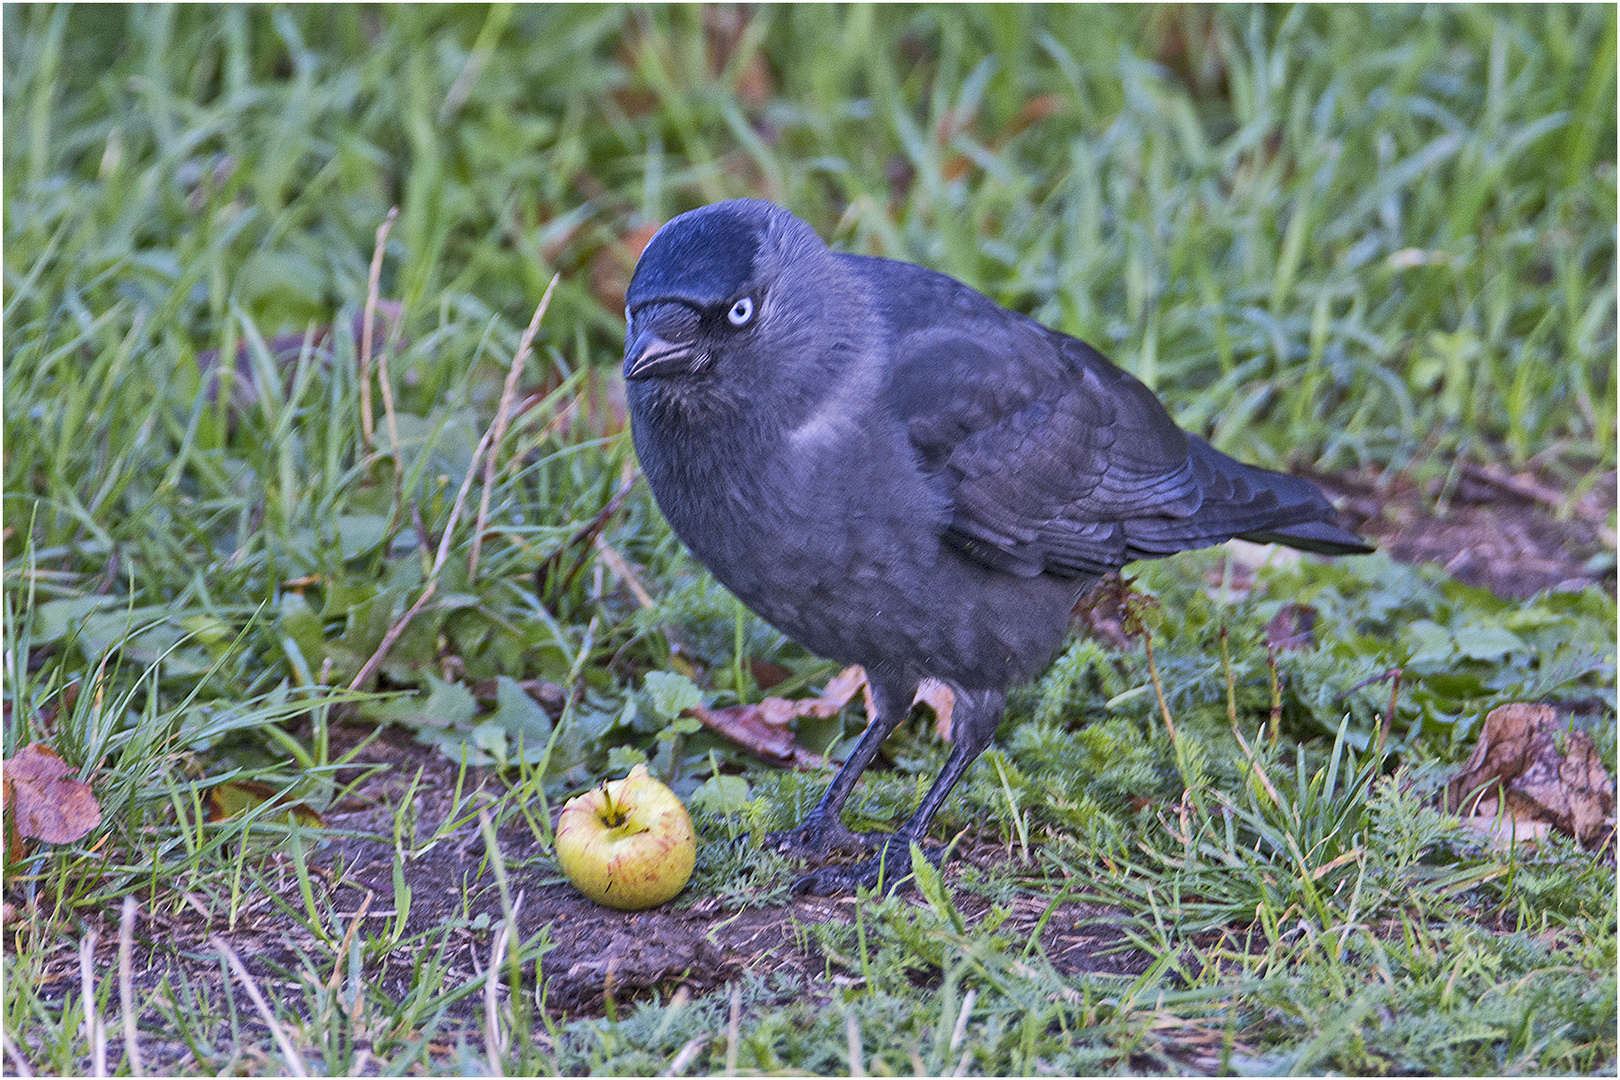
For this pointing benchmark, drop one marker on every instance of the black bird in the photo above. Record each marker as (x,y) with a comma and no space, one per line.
(896,472)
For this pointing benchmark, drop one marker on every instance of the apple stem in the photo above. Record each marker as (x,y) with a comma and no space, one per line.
(612,816)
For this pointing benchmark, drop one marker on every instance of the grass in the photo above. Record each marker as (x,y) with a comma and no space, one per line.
(1331,238)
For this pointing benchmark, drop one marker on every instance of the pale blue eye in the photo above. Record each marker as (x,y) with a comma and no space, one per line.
(741,312)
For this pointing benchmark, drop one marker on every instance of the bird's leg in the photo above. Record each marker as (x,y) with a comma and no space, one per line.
(822,829)
(973,724)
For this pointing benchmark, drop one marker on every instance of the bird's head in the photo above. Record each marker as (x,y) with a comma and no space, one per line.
(728,306)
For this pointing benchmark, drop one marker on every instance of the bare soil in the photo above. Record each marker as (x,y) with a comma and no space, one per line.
(593,950)
(1515,535)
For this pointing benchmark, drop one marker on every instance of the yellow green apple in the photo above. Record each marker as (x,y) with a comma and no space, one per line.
(627,843)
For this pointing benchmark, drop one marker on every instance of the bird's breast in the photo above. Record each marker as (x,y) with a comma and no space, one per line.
(807,532)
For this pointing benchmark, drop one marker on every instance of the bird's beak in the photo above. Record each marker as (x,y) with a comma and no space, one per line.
(661,343)
(648,356)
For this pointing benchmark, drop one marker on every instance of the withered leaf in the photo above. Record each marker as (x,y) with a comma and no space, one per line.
(1291,628)
(762,729)
(1546,771)
(1104,613)
(236,797)
(45,803)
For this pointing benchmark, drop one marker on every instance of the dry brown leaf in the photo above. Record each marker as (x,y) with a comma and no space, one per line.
(1547,772)
(767,674)
(44,803)
(1291,628)
(844,686)
(942,699)
(762,729)
(1104,612)
(236,797)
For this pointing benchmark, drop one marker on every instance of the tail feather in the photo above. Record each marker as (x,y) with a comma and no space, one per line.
(1249,503)
(1321,537)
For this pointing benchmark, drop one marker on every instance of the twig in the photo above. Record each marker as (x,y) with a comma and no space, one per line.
(398,628)
(483,447)
(686,1054)
(734,1029)
(852,1032)
(355,921)
(95,1032)
(1158,686)
(368,325)
(1258,769)
(960,1030)
(126,984)
(385,383)
(621,566)
(492,1014)
(1392,673)
(502,419)
(1276,695)
(18,1062)
(1533,490)
(295,1063)
(588,531)
(1389,715)
(1231,686)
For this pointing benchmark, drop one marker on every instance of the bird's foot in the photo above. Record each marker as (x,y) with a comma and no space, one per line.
(884,870)
(817,837)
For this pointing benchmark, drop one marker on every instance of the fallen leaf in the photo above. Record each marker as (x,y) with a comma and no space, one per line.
(44,803)
(1503,830)
(1290,629)
(236,797)
(1104,612)
(1547,772)
(766,674)
(762,729)
(844,686)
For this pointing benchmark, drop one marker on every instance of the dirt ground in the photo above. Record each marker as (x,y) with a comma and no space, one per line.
(1511,534)
(594,950)
(1498,532)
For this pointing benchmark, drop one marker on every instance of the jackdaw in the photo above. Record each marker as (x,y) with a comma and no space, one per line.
(896,472)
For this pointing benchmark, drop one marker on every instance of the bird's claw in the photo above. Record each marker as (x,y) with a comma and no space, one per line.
(886,870)
(816,838)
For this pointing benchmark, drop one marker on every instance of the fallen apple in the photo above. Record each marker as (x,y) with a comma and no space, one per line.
(627,843)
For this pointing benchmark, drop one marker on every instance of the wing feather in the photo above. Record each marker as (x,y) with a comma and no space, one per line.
(1052,459)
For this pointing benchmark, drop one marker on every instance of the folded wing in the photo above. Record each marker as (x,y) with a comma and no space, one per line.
(1058,462)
